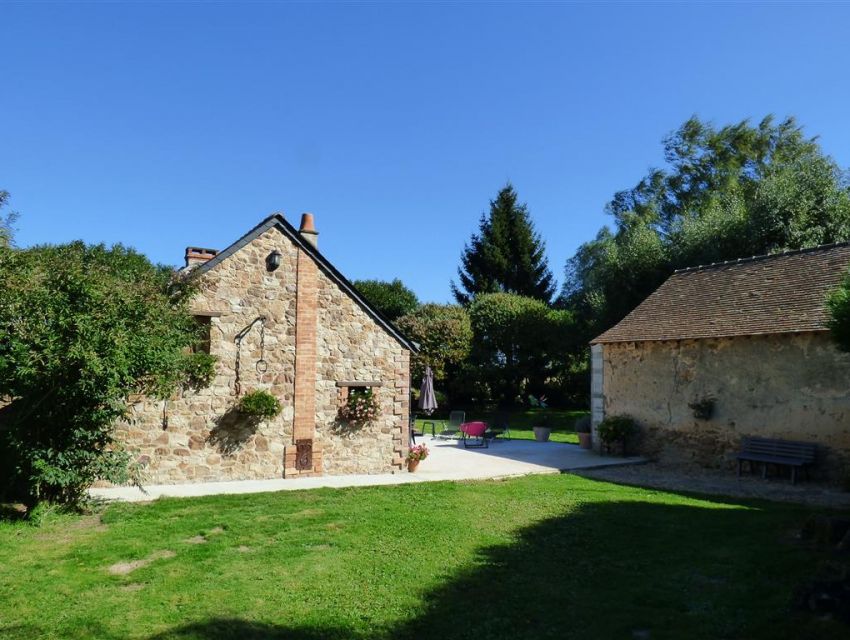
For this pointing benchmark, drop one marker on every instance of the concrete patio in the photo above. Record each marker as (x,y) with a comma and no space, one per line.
(449,460)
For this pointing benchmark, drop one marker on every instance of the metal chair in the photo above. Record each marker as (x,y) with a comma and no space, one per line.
(500,426)
(432,424)
(413,433)
(474,431)
(452,428)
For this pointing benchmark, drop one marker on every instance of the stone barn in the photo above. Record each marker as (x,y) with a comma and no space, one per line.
(728,350)
(279,317)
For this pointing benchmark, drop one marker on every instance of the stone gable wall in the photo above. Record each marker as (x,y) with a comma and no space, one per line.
(350,350)
(204,439)
(791,386)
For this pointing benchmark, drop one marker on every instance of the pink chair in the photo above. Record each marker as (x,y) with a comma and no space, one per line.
(474,430)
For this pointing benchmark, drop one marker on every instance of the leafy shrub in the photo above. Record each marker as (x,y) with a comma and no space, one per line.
(259,405)
(83,327)
(838,305)
(42,513)
(198,370)
(616,430)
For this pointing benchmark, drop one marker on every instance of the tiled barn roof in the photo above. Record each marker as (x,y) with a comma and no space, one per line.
(779,293)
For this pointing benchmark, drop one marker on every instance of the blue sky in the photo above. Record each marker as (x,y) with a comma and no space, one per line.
(162,125)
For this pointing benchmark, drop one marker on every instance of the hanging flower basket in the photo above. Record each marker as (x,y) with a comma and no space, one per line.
(259,405)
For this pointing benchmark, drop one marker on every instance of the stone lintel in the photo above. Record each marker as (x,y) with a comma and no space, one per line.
(363,383)
(207,313)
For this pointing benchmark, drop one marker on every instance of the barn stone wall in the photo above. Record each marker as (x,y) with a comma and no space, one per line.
(789,386)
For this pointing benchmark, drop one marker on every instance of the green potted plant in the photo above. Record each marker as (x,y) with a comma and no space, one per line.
(615,430)
(259,405)
(543,431)
(703,407)
(416,455)
(583,431)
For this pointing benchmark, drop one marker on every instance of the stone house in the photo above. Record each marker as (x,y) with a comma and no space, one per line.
(728,350)
(281,318)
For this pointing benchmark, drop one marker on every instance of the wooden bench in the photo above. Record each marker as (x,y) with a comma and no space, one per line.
(783,453)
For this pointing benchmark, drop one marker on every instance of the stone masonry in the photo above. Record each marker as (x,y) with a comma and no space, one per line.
(788,386)
(317,339)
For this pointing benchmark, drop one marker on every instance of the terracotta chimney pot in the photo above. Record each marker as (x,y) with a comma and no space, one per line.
(308,230)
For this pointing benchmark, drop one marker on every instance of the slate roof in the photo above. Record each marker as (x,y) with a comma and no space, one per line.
(277,220)
(781,293)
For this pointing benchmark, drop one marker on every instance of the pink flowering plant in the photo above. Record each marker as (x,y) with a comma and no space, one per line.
(417,452)
(360,409)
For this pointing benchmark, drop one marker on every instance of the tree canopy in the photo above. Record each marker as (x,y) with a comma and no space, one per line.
(392,299)
(725,193)
(506,255)
(81,328)
(7,221)
(518,344)
(444,335)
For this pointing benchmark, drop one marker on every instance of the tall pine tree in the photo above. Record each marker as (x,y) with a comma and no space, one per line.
(506,255)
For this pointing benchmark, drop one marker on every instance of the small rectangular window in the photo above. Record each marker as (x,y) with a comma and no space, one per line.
(203,343)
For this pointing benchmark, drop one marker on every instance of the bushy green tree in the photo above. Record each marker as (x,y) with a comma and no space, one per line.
(506,255)
(7,221)
(726,193)
(392,299)
(444,335)
(81,327)
(838,305)
(518,343)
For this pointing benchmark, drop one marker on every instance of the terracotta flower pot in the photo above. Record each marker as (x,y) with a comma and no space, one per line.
(412,465)
(585,440)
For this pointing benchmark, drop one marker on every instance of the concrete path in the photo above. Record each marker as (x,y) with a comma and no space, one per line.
(448,461)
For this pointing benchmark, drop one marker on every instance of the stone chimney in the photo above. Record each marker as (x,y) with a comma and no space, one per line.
(308,230)
(197,255)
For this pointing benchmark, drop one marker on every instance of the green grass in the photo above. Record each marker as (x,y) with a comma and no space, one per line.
(535,557)
(521,421)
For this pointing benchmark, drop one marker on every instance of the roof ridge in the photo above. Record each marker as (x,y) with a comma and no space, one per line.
(278,219)
(819,247)
(732,299)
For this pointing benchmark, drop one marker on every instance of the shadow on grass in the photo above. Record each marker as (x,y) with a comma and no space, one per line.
(12,512)
(608,569)
(213,629)
(230,629)
(611,570)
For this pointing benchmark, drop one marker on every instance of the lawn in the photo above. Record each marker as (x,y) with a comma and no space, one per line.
(561,421)
(535,557)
